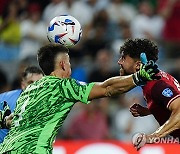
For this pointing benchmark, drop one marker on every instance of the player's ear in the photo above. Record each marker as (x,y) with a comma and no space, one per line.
(62,65)
(138,65)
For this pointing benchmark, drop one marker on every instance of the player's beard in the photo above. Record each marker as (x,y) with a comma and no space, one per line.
(123,72)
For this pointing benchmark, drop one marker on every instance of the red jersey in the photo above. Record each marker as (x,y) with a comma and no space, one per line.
(159,94)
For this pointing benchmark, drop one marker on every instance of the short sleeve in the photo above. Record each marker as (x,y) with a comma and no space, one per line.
(76,91)
(163,93)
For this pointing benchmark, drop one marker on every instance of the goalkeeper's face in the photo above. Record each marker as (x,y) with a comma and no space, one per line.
(128,65)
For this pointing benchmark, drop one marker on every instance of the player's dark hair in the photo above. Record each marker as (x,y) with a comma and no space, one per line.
(31,69)
(134,47)
(47,54)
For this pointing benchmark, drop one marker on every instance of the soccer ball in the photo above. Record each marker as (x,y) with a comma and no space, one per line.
(64,29)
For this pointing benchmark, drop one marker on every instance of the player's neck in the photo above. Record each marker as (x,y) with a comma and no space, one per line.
(59,73)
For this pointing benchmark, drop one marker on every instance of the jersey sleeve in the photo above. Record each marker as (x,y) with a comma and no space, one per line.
(76,91)
(163,93)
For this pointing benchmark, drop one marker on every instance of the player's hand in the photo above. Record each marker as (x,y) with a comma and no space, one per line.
(138,110)
(139,140)
(147,72)
(3,114)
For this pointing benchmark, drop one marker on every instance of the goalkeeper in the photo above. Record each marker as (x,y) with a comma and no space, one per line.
(44,105)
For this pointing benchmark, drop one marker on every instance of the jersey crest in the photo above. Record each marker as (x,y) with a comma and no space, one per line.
(167,92)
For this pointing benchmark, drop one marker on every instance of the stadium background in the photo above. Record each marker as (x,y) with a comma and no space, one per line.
(106,24)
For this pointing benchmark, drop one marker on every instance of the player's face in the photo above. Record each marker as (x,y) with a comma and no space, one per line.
(127,65)
(31,77)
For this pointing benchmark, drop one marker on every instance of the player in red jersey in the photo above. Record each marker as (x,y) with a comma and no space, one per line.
(162,96)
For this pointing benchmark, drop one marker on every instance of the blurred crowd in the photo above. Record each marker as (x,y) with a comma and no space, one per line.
(106,25)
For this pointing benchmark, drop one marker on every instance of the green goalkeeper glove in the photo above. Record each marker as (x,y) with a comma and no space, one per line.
(3,114)
(146,73)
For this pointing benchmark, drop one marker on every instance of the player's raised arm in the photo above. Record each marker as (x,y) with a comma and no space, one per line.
(171,124)
(121,84)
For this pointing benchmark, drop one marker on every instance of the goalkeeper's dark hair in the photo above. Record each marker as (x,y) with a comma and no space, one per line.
(31,69)
(134,47)
(47,54)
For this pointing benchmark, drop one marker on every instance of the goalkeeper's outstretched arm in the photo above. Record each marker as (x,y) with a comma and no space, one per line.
(112,86)
(121,84)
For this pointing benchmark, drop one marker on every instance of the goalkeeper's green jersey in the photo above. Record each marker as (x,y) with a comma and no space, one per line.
(41,109)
